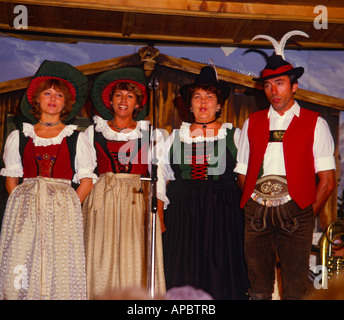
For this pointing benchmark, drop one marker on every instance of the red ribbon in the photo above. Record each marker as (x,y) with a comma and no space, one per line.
(269,72)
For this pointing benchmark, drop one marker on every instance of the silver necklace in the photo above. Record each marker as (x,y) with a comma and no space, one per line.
(119,129)
(49,124)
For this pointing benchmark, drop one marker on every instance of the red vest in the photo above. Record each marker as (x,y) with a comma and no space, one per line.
(132,159)
(61,168)
(298,155)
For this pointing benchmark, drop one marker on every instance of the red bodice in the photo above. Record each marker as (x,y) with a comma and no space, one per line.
(51,161)
(122,157)
(198,160)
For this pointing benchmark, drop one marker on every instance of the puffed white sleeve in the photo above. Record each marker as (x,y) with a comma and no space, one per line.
(85,160)
(243,151)
(165,173)
(12,159)
(237,134)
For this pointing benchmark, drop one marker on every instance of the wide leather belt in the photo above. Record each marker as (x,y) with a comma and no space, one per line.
(271,191)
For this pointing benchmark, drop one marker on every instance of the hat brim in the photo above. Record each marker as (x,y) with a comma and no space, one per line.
(224,90)
(75,80)
(297,72)
(103,86)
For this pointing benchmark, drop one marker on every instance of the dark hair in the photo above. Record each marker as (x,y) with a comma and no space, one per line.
(131,87)
(58,85)
(293,79)
(209,88)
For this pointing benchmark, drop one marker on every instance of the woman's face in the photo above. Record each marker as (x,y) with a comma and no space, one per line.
(204,105)
(51,101)
(124,103)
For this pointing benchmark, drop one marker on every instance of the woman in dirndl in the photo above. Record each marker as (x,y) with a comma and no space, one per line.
(203,241)
(116,210)
(41,245)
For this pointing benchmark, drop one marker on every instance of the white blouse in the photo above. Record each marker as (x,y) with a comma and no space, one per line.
(101,125)
(165,172)
(323,146)
(84,166)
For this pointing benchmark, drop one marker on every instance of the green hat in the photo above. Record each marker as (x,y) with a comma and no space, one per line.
(75,80)
(104,84)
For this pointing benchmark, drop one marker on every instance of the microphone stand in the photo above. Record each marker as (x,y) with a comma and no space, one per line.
(153,85)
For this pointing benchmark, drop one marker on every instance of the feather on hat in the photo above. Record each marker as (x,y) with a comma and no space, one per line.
(276,64)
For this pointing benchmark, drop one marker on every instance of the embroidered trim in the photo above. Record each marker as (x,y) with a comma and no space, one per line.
(271,191)
(276,135)
(45,164)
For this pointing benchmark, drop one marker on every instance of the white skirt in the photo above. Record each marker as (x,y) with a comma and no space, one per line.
(41,245)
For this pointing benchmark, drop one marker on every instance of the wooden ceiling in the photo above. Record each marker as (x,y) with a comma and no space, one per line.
(182,22)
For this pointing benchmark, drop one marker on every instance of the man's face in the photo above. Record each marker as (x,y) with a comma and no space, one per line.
(280,93)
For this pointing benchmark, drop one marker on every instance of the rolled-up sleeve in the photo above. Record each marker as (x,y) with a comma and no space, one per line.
(165,172)
(243,151)
(323,147)
(85,162)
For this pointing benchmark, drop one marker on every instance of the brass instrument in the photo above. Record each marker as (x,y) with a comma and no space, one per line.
(331,240)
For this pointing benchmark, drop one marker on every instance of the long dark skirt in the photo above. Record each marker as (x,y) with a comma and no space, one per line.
(204,237)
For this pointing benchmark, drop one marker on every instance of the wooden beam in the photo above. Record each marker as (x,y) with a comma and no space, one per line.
(321,99)
(132,13)
(128,23)
(65,33)
(214,9)
(300,44)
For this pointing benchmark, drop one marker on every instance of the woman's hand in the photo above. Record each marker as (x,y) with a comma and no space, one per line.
(161,215)
(11,184)
(84,188)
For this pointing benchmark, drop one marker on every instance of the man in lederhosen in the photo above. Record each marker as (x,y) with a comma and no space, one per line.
(282,150)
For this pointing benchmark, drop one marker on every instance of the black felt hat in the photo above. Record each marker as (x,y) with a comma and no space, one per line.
(207,76)
(75,80)
(276,66)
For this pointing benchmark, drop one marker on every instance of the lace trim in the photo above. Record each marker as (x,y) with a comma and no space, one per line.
(184,133)
(103,127)
(29,131)
(12,172)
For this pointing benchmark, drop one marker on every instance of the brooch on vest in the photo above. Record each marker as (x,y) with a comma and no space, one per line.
(276,135)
